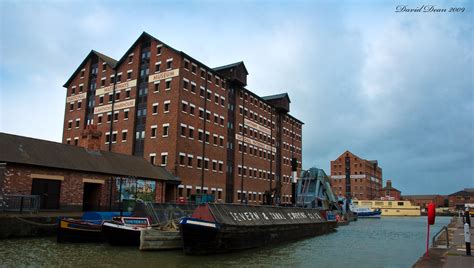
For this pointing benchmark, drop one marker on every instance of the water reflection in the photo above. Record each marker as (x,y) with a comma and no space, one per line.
(386,242)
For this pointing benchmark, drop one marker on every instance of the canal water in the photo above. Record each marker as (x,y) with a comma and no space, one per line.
(385,242)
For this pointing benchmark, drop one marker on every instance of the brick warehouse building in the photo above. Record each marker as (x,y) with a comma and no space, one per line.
(70,177)
(356,177)
(201,123)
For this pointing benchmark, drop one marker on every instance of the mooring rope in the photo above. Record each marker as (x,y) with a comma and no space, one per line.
(35,223)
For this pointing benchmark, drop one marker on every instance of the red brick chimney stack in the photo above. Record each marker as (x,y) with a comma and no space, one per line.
(389,183)
(91,138)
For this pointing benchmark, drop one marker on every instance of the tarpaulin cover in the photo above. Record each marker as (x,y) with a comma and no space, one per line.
(97,217)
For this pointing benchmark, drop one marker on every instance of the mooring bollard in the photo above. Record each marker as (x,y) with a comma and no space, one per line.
(467,239)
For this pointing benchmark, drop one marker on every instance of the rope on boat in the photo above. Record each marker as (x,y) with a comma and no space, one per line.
(36,223)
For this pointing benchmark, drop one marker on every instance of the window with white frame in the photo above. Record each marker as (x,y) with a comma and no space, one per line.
(153,131)
(166,106)
(152,158)
(164,159)
(114,136)
(183,130)
(169,64)
(157,66)
(166,128)
(190,160)
(124,135)
(184,106)
(182,159)
(199,162)
(107,137)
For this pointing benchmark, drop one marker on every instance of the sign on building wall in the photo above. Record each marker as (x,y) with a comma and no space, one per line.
(163,75)
(257,126)
(118,86)
(247,140)
(76,97)
(117,106)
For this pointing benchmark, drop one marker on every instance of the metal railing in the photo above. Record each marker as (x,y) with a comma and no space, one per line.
(20,203)
(435,237)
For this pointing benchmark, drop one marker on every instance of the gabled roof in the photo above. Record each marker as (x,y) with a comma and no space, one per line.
(151,37)
(264,100)
(463,193)
(422,196)
(110,61)
(349,152)
(30,151)
(390,188)
(143,35)
(232,65)
(277,96)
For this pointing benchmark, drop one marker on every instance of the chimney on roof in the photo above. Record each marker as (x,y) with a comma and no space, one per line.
(91,138)
(389,183)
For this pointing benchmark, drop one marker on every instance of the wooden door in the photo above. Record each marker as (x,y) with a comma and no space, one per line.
(49,191)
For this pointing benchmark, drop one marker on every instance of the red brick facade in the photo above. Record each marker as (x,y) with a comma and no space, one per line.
(171,101)
(424,200)
(365,177)
(18,179)
(460,198)
(390,193)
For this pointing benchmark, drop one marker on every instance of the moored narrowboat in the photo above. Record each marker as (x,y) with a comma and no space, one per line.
(125,231)
(218,228)
(71,230)
(86,229)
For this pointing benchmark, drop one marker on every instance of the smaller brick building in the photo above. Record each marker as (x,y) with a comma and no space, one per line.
(459,198)
(424,200)
(389,192)
(72,178)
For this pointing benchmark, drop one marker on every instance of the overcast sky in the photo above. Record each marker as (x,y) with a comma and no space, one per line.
(395,87)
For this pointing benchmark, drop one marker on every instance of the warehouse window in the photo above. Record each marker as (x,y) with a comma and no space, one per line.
(152,158)
(124,135)
(166,130)
(164,159)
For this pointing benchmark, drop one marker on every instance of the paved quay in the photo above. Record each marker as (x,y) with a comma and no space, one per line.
(454,255)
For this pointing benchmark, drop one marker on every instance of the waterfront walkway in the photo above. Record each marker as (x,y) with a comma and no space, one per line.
(455,255)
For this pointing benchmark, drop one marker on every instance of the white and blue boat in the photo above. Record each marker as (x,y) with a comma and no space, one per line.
(363,212)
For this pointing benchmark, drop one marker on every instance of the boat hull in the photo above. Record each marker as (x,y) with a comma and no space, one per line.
(78,231)
(154,239)
(369,215)
(199,240)
(240,227)
(121,235)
